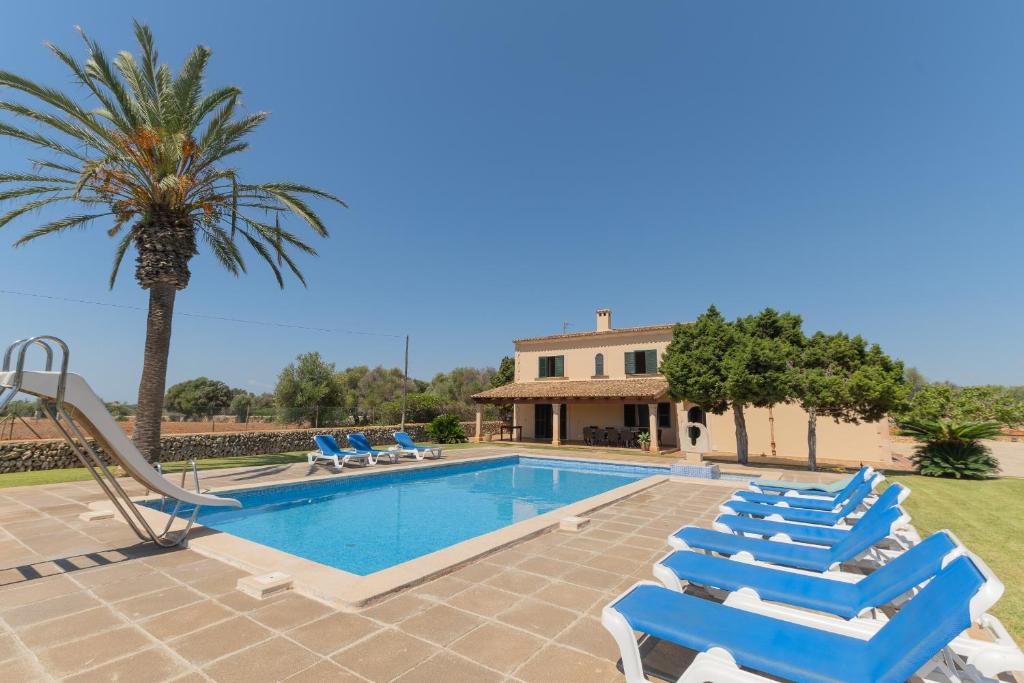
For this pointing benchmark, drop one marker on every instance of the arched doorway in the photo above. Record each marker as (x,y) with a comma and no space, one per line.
(695,415)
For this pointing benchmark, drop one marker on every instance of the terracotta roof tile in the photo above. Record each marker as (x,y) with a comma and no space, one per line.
(594,333)
(640,388)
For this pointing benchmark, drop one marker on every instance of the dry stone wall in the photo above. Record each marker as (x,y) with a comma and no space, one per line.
(49,454)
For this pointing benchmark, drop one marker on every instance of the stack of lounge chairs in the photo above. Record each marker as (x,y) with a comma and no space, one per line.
(360,451)
(784,604)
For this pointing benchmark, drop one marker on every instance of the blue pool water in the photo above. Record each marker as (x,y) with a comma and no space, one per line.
(365,524)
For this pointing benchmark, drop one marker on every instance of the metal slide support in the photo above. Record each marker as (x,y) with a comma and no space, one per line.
(86,454)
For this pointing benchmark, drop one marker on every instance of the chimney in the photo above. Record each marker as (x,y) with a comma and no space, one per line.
(604,319)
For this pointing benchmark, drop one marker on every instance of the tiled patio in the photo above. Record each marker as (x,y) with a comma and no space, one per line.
(84,601)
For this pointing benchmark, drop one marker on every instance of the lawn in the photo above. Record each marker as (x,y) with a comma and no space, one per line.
(988,516)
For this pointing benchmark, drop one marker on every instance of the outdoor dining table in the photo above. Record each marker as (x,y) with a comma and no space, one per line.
(515,432)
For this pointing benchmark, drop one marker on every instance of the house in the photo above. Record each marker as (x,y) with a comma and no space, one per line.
(567,383)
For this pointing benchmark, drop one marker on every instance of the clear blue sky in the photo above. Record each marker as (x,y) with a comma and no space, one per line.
(514,165)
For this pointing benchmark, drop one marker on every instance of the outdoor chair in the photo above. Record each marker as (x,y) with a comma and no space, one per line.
(407,447)
(780,486)
(363,447)
(331,452)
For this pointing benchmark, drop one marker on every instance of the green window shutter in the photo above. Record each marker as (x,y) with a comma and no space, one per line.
(559,366)
(652,361)
(630,363)
(542,368)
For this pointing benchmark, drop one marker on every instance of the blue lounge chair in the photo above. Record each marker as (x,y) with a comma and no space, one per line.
(818,502)
(727,638)
(330,452)
(801,515)
(833,488)
(812,558)
(363,447)
(809,533)
(841,598)
(406,446)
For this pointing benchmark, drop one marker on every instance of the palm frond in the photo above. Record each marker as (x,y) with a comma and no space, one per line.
(119,252)
(59,225)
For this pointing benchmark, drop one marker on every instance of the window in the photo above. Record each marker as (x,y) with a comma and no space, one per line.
(641,362)
(599,365)
(664,414)
(551,366)
(639,415)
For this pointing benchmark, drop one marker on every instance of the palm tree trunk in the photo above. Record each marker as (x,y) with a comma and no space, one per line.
(742,445)
(812,439)
(154,370)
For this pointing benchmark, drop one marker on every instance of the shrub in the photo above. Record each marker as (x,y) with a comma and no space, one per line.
(446,429)
(952,449)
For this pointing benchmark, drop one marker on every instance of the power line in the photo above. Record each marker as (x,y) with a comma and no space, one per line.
(264,323)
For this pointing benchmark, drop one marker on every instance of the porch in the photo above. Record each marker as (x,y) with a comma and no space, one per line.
(601,413)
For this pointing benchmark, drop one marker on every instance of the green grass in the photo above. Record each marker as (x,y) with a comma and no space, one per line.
(988,516)
(81,474)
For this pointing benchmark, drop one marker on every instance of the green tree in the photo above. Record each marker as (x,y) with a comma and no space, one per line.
(305,387)
(915,380)
(986,403)
(377,387)
(758,365)
(420,408)
(506,374)
(198,397)
(455,389)
(838,376)
(151,154)
(694,362)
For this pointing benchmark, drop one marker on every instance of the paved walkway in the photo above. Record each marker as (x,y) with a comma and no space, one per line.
(85,601)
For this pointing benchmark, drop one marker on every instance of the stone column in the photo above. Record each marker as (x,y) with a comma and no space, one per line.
(479,422)
(653,418)
(556,424)
(515,420)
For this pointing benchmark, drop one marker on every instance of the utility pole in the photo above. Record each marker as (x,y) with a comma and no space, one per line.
(565,326)
(405,381)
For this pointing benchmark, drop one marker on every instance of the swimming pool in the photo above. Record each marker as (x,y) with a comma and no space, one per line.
(368,523)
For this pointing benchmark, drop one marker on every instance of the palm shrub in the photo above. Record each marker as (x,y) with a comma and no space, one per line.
(150,154)
(952,448)
(446,429)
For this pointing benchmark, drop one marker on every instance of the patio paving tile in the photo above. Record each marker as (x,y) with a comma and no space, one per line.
(8,648)
(220,639)
(61,606)
(497,646)
(545,566)
(401,607)
(37,590)
(334,632)
(69,628)
(538,617)
(451,669)
(152,665)
(557,663)
(441,624)
(23,669)
(397,653)
(150,604)
(96,649)
(591,578)
(291,611)
(323,671)
(485,600)
(518,582)
(137,585)
(270,661)
(569,595)
(186,619)
(589,635)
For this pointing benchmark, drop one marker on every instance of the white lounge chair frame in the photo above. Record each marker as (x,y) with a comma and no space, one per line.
(67,400)
(316,456)
(990,657)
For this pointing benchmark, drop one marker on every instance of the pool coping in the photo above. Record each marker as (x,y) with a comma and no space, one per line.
(351,592)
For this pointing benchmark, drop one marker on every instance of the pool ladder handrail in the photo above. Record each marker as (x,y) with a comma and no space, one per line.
(72,434)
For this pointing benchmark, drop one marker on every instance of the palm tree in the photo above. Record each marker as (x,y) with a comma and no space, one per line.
(150,155)
(951,448)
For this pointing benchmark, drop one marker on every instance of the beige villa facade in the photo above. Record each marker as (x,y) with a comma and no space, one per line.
(568,384)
